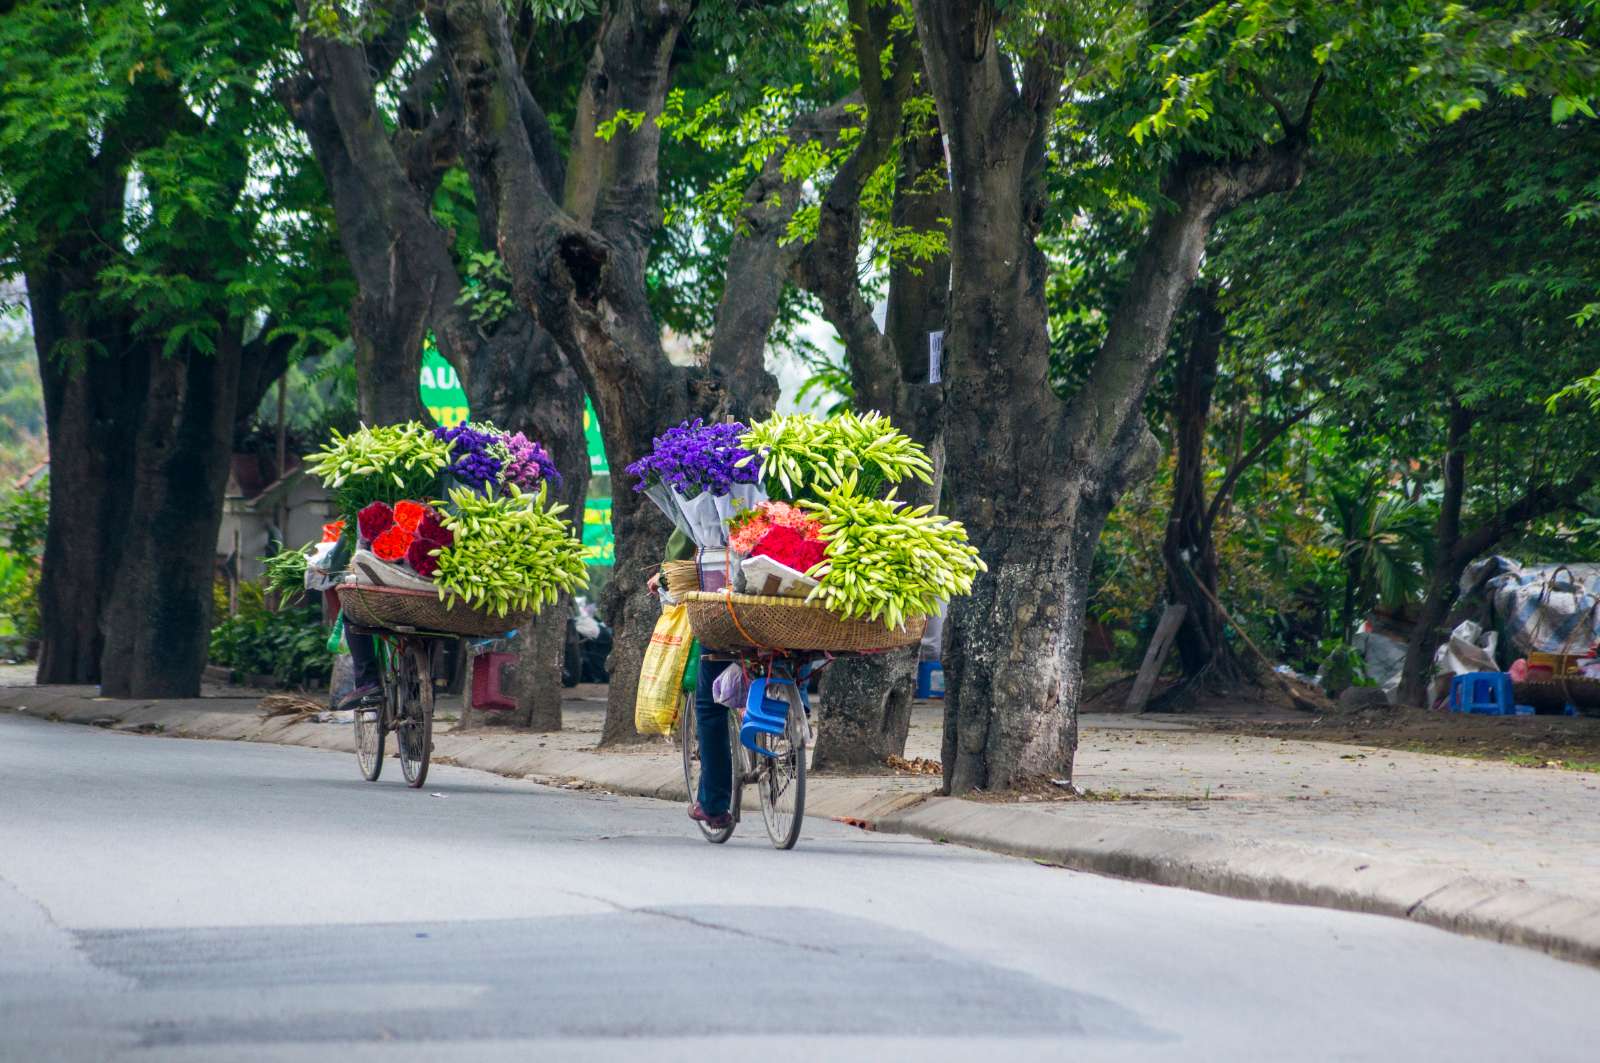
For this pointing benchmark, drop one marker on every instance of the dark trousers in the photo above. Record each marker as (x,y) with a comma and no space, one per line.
(711,726)
(363,654)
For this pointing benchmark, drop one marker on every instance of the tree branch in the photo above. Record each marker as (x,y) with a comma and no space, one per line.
(759,263)
(827,268)
(1268,437)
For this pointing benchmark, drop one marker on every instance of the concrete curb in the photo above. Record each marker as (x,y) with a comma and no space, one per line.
(1504,910)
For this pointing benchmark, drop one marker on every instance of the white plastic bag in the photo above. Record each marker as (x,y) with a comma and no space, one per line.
(731,688)
(1470,649)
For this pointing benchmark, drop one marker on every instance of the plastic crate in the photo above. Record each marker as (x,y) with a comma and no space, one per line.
(491,681)
(1486,694)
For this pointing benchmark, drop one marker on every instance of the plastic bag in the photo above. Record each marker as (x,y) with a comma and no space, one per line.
(732,687)
(660,697)
(691,670)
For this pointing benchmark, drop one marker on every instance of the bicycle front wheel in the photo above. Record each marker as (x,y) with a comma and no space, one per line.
(413,728)
(781,777)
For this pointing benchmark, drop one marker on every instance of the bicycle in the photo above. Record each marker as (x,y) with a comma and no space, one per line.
(406,708)
(777,770)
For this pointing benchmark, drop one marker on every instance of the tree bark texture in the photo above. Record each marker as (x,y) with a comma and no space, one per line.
(88,408)
(575,244)
(1033,477)
(521,381)
(382,183)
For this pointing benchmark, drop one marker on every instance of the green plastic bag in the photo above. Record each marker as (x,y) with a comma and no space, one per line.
(691,670)
(336,637)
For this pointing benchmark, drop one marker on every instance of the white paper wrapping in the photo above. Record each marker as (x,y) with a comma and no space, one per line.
(666,500)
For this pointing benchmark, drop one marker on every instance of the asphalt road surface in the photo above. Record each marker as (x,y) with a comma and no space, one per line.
(176,900)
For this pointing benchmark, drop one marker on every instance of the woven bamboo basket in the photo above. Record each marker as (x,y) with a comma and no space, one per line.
(750,621)
(1562,690)
(395,608)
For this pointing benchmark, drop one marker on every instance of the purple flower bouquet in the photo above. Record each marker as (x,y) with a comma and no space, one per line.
(483,457)
(695,474)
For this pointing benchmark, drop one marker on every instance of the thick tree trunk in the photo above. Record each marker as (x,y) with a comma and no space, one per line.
(866,701)
(157,623)
(381,183)
(91,410)
(578,266)
(519,379)
(1014,652)
(1033,480)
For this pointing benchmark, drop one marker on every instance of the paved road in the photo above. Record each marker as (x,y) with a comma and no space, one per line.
(174,900)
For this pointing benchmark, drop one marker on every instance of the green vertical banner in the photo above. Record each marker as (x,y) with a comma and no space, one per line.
(442,394)
(446,402)
(597,534)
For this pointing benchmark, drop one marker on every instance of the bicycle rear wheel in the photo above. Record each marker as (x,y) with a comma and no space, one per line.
(369,723)
(413,728)
(781,777)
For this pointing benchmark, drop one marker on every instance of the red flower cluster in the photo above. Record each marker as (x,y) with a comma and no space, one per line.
(410,532)
(790,547)
(332,530)
(374,520)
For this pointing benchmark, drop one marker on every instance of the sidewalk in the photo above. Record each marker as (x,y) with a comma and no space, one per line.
(1482,848)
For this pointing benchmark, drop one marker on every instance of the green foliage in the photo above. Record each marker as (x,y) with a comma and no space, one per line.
(291,645)
(22,429)
(887,560)
(1383,540)
(512,551)
(146,155)
(487,293)
(802,456)
(24,518)
(828,379)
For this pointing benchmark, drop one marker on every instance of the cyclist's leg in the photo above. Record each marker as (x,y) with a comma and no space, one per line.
(364,658)
(711,725)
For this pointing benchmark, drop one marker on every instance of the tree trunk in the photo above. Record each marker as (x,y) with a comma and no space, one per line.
(1033,479)
(867,701)
(157,623)
(865,710)
(1449,560)
(1188,550)
(1014,655)
(519,379)
(89,410)
(578,264)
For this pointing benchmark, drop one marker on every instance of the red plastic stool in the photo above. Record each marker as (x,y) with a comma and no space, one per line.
(490,682)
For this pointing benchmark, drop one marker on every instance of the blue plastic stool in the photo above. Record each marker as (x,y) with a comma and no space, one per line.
(764,713)
(930,680)
(1487,694)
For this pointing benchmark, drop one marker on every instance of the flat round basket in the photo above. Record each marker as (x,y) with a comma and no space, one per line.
(1560,691)
(751,621)
(396,608)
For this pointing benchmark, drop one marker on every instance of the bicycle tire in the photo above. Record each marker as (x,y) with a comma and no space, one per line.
(781,779)
(369,739)
(413,730)
(689,740)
